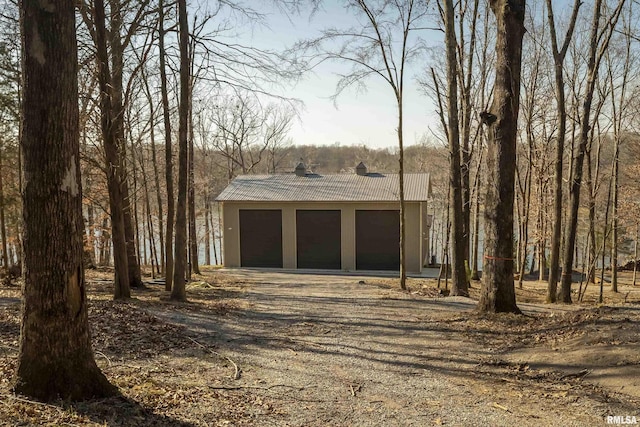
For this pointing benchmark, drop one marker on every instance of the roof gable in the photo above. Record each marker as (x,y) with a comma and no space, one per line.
(372,187)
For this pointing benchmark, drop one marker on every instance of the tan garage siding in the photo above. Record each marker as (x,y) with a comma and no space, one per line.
(415,229)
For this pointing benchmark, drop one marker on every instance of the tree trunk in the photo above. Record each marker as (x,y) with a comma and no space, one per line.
(599,42)
(220,234)
(143,255)
(193,237)
(168,155)
(112,157)
(446,231)
(105,243)
(526,203)
(3,225)
(153,252)
(55,358)
(591,272)
(614,241)
(605,236)
(614,219)
(459,283)
(117,117)
(498,293)
(156,177)
(214,236)
(561,120)
(467,108)
(133,206)
(156,174)
(635,255)
(207,230)
(91,233)
(403,271)
(476,220)
(542,260)
(178,291)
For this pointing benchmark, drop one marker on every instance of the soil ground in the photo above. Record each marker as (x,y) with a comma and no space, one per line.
(263,348)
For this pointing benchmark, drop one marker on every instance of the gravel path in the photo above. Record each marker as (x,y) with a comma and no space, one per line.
(329,350)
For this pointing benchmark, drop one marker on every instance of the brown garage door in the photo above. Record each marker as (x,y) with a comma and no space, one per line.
(318,239)
(261,238)
(377,240)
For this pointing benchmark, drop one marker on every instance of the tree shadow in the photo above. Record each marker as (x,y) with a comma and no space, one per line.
(113,411)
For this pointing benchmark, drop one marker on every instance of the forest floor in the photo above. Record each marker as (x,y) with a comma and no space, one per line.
(275,349)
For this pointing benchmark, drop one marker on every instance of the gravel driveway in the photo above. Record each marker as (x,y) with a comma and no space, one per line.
(332,350)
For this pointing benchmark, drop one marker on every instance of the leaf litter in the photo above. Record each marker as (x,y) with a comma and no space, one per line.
(169,374)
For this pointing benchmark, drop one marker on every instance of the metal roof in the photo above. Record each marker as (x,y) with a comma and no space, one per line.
(372,187)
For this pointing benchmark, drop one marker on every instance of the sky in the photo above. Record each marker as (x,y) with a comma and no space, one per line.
(357,117)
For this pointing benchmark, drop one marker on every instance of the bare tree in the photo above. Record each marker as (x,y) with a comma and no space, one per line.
(55,358)
(120,23)
(619,107)
(3,224)
(559,54)
(244,132)
(156,174)
(459,241)
(598,44)
(381,47)
(498,293)
(10,99)
(178,291)
(166,115)
(114,162)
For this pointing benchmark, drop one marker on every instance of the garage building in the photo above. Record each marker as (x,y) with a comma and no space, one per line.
(303,220)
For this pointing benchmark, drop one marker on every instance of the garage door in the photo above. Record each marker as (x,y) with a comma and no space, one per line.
(318,239)
(261,238)
(377,240)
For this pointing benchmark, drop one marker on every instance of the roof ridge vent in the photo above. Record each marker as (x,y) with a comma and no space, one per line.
(361,169)
(301,169)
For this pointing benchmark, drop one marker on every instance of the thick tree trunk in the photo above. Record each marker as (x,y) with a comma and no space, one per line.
(55,359)
(459,241)
(178,291)
(112,157)
(498,293)
(168,151)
